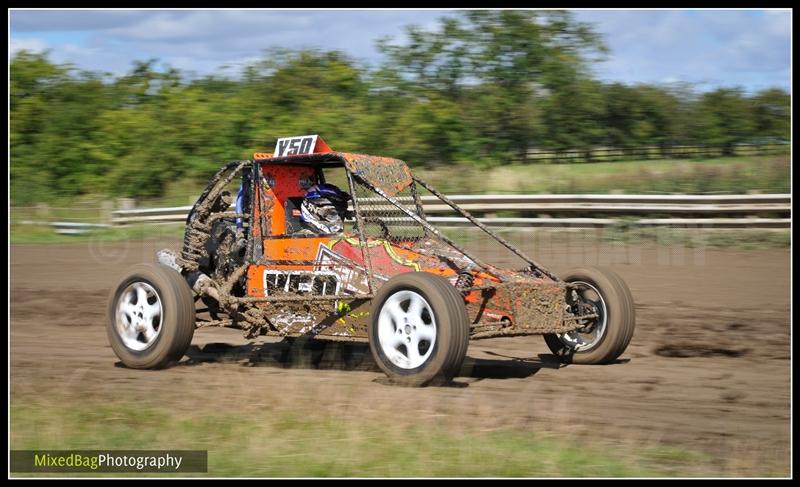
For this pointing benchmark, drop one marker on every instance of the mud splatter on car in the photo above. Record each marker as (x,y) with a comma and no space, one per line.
(390,277)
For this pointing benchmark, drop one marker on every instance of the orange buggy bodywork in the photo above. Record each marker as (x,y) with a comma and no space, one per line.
(499,301)
(349,267)
(386,276)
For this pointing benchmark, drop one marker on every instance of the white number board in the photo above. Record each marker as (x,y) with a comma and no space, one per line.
(290,146)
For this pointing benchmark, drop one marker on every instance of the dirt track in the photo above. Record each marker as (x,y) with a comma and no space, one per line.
(708,368)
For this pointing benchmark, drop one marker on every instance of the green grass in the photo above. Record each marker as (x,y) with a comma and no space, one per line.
(294,445)
(753,241)
(744,239)
(735,239)
(768,174)
(44,234)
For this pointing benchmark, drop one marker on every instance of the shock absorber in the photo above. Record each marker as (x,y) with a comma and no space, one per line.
(465,279)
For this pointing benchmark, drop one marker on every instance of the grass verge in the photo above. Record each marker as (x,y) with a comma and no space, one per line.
(744,239)
(622,234)
(768,174)
(293,445)
(44,234)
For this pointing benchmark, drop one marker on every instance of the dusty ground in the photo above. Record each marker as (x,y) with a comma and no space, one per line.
(708,368)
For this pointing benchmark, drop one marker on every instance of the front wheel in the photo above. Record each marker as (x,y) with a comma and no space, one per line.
(151,317)
(602,339)
(419,330)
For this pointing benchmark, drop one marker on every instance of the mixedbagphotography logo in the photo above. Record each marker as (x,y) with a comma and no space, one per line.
(160,461)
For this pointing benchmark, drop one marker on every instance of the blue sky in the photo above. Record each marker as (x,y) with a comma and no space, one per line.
(708,48)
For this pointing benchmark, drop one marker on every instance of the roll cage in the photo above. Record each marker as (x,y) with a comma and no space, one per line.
(383,179)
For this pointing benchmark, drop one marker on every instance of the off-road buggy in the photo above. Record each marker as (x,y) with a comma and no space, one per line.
(390,277)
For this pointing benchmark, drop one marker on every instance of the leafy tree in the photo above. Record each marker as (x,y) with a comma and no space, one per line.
(724,118)
(481,88)
(501,56)
(771,114)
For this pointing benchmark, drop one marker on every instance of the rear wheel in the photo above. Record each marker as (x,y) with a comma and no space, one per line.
(419,330)
(602,339)
(151,317)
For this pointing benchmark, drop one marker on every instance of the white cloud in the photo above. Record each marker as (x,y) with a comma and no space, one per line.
(25,43)
(712,46)
(709,47)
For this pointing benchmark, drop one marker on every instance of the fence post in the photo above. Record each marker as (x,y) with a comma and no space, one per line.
(126,203)
(106,211)
(42,211)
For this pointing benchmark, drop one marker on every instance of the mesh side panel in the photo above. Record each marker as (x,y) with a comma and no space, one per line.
(381,219)
(553,245)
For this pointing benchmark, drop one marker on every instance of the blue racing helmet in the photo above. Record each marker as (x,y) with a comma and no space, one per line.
(324,208)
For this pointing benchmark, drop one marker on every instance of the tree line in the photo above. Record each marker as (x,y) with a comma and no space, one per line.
(482,88)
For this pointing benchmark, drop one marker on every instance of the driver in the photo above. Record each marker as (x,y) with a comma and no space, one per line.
(324,208)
